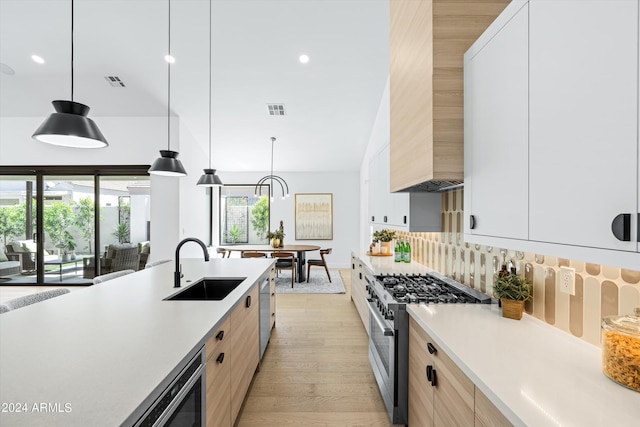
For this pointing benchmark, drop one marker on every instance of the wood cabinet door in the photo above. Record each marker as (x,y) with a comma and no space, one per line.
(421,392)
(487,415)
(454,396)
(244,348)
(496,134)
(218,388)
(583,121)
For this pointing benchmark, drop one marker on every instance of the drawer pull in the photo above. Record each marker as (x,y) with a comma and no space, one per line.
(220,336)
(434,382)
(220,358)
(248,303)
(429,372)
(432,349)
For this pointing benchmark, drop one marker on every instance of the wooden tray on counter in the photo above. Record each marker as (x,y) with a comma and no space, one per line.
(372,254)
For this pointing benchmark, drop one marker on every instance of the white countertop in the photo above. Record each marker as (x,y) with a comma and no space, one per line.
(537,375)
(387,265)
(98,355)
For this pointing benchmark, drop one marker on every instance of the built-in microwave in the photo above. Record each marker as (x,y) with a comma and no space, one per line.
(183,402)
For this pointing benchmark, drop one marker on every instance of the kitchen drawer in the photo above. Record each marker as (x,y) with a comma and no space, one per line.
(218,377)
(218,339)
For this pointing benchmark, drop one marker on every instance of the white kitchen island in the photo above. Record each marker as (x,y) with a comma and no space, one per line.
(100,356)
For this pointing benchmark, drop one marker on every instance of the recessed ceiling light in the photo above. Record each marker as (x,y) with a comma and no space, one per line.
(37,59)
(304,59)
(170,59)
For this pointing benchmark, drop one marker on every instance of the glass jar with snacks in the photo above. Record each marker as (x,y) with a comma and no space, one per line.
(621,349)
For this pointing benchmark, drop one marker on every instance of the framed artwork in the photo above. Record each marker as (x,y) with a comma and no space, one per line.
(314,216)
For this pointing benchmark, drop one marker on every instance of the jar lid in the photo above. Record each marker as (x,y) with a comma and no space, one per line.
(629,324)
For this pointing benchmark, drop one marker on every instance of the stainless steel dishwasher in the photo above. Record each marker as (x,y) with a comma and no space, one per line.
(265,313)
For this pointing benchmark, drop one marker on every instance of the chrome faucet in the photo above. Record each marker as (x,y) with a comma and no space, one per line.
(177,275)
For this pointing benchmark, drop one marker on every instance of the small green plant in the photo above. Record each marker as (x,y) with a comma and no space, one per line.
(233,235)
(278,234)
(67,244)
(385,235)
(513,287)
(121,232)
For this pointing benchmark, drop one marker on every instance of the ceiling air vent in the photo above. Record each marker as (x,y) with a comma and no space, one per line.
(114,81)
(276,109)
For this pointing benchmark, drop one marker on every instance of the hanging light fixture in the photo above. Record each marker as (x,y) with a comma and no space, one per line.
(283,184)
(69,126)
(209,179)
(168,164)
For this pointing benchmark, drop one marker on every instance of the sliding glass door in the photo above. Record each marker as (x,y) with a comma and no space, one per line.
(59,226)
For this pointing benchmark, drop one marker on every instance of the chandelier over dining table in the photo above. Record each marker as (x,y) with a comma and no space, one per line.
(270,179)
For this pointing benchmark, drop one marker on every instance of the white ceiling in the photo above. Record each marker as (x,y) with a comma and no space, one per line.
(331,102)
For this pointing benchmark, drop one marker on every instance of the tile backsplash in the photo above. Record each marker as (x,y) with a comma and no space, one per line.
(600,290)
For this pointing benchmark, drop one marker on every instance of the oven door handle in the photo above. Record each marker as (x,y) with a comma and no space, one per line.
(387,332)
(177,399)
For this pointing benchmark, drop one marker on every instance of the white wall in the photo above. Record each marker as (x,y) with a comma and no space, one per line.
(380,136)
(345,188)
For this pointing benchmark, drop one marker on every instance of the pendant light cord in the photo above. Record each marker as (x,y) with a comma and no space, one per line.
(272,141)
(210,48)
(169,85)
(72,50)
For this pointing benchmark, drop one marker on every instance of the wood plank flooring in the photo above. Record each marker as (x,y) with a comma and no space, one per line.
(315,371)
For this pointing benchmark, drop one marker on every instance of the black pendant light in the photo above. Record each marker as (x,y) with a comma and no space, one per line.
(209,179)
(168,164)
(271,178)
(69,126)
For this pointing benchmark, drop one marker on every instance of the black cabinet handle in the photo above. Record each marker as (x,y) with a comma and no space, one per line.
(472,221)
(273,315)
(385,218)
(432,349)
(373,218)
(621,227)
(434,381)
(248,304)
(220,336)
(360,274)
(353,266)
(404,220)
(273,294)
(220,358)
(429,372)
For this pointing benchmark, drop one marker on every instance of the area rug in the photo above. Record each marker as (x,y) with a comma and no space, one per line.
(318,283)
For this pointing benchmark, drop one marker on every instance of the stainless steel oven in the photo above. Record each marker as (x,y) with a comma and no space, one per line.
(182,404)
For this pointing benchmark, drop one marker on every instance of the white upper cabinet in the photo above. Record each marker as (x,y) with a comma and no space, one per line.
(583,97)
(496,129)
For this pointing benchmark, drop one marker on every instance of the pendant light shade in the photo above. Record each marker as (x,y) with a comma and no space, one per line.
(168,164)
(271,178)
(209,179)
(69,126)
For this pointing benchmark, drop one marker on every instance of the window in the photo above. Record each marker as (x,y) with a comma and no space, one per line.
(244,217)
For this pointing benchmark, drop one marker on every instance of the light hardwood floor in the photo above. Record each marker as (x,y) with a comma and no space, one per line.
(315,371)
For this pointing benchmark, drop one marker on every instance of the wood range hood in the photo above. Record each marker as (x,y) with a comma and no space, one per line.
(428,39)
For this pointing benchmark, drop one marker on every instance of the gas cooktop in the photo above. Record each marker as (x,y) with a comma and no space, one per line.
(427,288)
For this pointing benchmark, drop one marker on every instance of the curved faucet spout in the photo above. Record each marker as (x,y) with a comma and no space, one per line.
(177,275)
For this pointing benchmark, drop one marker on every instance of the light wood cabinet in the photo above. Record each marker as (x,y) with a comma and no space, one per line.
(272,299)
(427,42)
(486,414)
(218,377)
(440,394)
(244,347)
(358,290)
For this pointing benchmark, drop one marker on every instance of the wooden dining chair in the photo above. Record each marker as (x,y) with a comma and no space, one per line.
(285,261)
(319,263)
(223,252)
(253,254)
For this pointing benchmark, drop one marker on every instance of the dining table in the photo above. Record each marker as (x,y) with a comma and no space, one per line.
(300,250)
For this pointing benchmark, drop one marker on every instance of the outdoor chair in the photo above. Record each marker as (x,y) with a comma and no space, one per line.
(319,263)
(125,259)
(31,299)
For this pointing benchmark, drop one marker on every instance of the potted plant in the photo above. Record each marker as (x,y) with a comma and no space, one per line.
(275,237)
(233,234)
(384,237)
(68,246)
(513,291)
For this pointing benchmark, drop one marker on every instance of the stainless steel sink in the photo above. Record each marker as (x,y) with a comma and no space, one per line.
(208,289)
